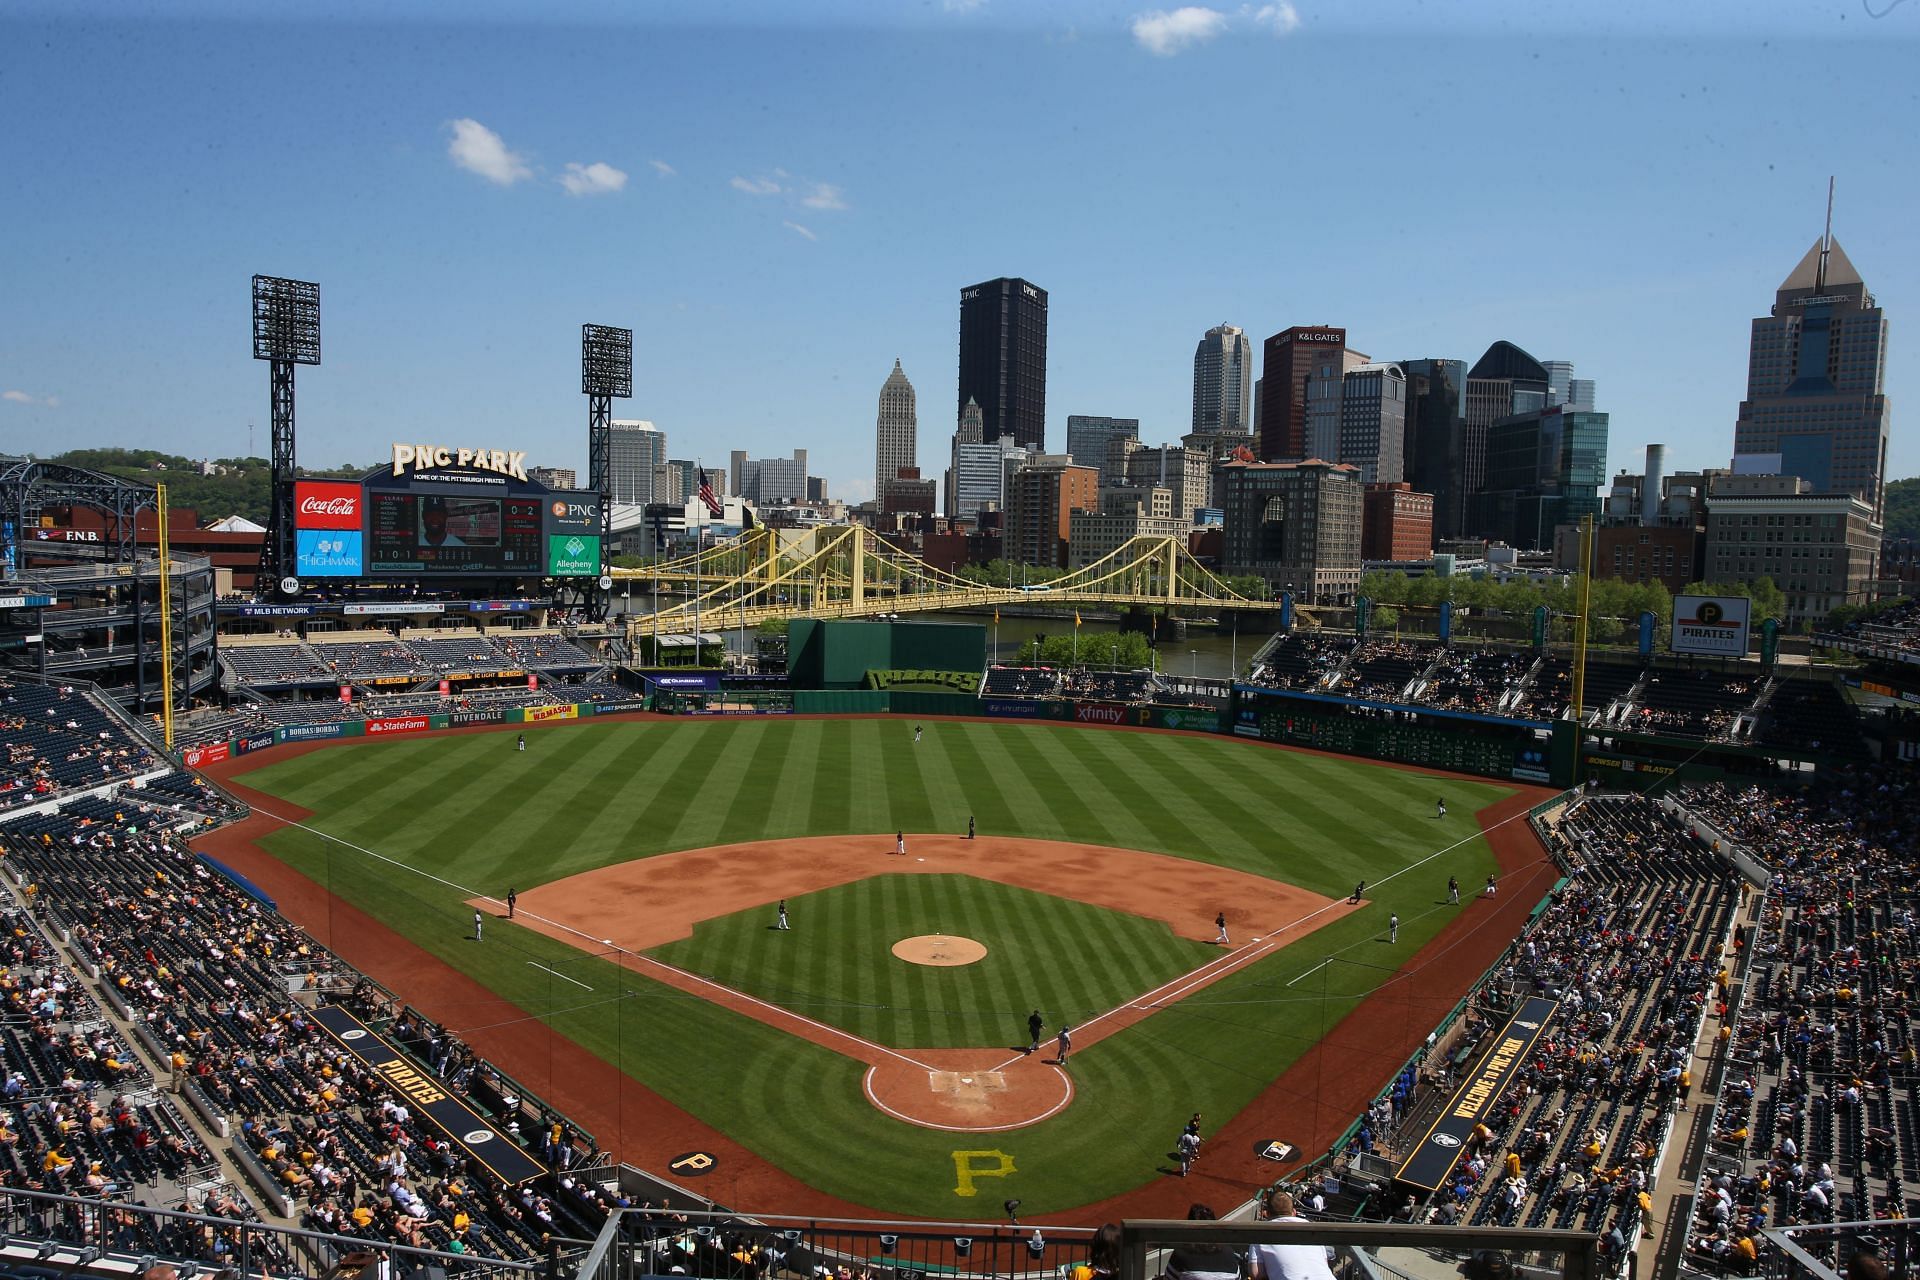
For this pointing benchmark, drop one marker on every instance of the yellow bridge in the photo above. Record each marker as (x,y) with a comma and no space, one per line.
(848,572)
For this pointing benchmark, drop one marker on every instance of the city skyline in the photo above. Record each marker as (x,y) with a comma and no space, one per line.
(461,234)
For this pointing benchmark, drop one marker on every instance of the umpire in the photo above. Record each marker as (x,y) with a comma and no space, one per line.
(1035,1025)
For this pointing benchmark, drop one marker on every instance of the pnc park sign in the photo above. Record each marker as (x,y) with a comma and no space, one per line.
(421,457)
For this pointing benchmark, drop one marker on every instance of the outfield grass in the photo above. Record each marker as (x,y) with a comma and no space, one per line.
(836,965)
(463,814)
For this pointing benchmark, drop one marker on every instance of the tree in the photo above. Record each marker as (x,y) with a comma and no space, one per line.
(1903,508)
(1769,601)
(1128,650)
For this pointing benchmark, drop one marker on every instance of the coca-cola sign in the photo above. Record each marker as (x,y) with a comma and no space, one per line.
(319,504)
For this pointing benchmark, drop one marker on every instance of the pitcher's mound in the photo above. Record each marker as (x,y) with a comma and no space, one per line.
(938,950)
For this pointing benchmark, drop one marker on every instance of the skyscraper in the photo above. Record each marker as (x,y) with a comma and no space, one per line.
(1436,428)
(1087,437)
(1223,381)
(1003,358)
(634,449)
(1502,382)
(1565,389)
(1816,393)
(1373,422)
(895,432)
(1287,360)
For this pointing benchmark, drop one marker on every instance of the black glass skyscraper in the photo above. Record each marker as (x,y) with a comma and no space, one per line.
(1003,359)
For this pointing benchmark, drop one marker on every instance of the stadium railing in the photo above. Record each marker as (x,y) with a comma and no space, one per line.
(76,1236)
(1823,1251)
(1364,1250)
(738,1246)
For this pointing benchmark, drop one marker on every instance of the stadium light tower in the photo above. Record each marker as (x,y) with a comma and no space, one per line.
(606,371)
(286,332)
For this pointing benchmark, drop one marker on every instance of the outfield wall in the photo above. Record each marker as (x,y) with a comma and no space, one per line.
(386,726)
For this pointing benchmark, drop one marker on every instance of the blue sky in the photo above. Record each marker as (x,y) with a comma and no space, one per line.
(781,198)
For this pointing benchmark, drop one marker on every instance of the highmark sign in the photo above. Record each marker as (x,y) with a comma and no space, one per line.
(424,457)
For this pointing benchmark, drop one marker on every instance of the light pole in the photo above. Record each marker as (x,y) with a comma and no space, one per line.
(1195,655)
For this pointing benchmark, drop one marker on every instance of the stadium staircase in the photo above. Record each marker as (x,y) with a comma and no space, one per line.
(1518,694)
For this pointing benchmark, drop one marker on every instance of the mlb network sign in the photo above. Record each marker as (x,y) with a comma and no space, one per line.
(1715,626)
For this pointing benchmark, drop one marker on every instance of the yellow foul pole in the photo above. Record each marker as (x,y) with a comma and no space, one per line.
(1580,635)
(166,620)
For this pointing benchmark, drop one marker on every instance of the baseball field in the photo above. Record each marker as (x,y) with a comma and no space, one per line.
(876,1049)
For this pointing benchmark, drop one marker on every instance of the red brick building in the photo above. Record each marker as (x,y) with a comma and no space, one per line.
(1395,522)
(1672,556)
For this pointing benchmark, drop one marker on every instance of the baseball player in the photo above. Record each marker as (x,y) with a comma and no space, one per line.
(477,917)
(1064,1042)
(1453,890)
(1440,807)
(1393,928)
(513,900)
(900,843)
(1189,1150)
(520,744)
(916,733)
(1220,923)
(1493,884)
(1359,892)
(781,923)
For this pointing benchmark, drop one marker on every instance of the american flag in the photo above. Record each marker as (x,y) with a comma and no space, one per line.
(706,496)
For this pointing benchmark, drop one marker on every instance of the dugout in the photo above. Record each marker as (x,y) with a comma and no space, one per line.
(838,654)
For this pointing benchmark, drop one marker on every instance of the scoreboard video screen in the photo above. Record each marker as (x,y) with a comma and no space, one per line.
(416,533)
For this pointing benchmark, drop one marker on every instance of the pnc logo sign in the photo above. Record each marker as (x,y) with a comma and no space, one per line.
(575,510)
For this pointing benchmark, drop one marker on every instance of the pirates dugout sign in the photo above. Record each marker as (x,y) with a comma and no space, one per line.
(1433,1157)
(426,1095)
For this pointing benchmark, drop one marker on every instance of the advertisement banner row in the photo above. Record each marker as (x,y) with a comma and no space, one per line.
(379,727)
(1192,719)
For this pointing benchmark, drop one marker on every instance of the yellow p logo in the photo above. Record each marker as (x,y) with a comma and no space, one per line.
(968,1165)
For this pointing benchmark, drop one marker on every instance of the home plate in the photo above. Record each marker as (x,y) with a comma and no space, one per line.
(953,1081)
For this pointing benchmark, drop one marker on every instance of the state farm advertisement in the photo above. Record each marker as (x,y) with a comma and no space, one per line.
(398,724)
(320,504)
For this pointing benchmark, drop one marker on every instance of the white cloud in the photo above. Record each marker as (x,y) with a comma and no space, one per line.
(592,179)
(757,186)
(824,195)
(478,149)
(1280,18)
(664,169)
(22,397)
(1164,33)
(797,229)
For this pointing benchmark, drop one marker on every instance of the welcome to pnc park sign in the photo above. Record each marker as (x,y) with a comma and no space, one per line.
(421,457)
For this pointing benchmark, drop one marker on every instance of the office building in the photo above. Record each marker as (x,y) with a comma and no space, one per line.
(1820,549)
(1295,524)
(1223,381)
(977,480)
(1816,370)
(905,493)
(1503,382)
(554,477)
(1041,499)
(1003,359)
(1565,390)
(896,431)
(1435,436)
(1125,512)
(816,489)
(1373,423)
(1544,468)
(1185,473)
(634,449)
(767,482)
(1288,358)
(1396,523)
(1326,387)
(1088,437)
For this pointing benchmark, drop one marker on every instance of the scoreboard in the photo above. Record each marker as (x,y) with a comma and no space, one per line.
(458,519)
(414,533)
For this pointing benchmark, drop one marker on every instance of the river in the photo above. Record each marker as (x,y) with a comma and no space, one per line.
(1205,652)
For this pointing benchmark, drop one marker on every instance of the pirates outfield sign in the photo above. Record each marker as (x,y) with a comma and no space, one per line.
(424,457)
(1713,625)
